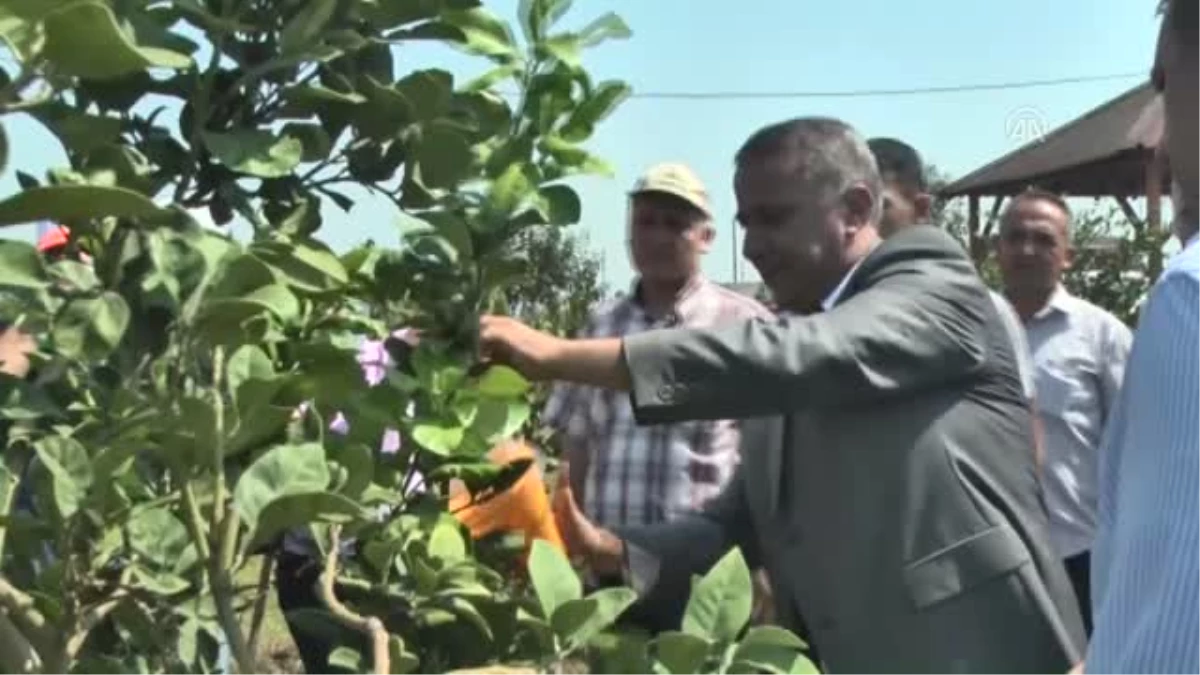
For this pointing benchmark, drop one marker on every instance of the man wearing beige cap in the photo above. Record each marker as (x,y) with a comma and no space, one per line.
(620,473)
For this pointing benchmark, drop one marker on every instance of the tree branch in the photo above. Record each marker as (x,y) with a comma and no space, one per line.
(17,655)
(20,610)
(369,626)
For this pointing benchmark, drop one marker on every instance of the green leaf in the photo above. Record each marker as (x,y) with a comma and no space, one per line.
(503,382)
(91,328)
(496,419)
(77,131)
(554,580)
(66,203)
(482,475)
(493,77)
(598,106)
(385,113)
(22,265)
(303,28)
(573,159)
(255,152)
(438,439)
(578,627)
(720,604)
(70,469)
(85,40)
(562,205)
(249,362)
(23,33)
(159,583)
(306,266)
(313,97)
(446,541)
(566,48)
(359,461)
(539,16)
(21,400)
(511,188)
(453,229)
(770,648)
(402,662)
(313,139)
(346,658)
(681,652)
(157,535)
(484,33)
(607,27)
(444,156)
(428,92)
(283,470)
(293,510)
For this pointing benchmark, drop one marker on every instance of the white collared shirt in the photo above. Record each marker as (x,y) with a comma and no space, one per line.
(831,299)
(1079,353)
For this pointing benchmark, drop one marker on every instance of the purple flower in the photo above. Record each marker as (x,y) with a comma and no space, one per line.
(374,359)
(340,425)
(391,442)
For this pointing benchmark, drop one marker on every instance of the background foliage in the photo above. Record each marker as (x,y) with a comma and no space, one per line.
(193,398)
(1115,261)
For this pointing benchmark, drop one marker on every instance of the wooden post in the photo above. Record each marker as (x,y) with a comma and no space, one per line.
(1130,214)
(1154,190)
(978,245)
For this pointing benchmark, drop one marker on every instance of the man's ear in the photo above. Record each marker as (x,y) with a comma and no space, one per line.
(705,236)
(923,207)
(859,203)
(1069,257)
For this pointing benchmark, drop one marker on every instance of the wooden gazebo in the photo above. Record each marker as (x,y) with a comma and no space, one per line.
(1111,151)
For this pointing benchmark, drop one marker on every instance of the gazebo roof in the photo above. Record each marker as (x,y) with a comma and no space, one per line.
(1102,153)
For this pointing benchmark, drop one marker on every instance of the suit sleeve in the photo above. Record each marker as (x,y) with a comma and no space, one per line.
(661,559)
(915,324)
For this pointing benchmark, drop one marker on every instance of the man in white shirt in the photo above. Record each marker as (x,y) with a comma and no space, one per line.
(1079,353)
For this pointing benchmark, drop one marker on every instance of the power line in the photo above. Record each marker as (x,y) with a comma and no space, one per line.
(859,93)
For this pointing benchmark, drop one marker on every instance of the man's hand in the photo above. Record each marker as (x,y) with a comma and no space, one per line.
(541,356)
(598,548)
(15,348)
(533,353)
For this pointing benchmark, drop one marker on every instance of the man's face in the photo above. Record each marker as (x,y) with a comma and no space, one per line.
(667,236)
(796,243)
(1033,249)
(1176,70)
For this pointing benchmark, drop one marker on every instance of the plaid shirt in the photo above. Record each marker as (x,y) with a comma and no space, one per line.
(636,475)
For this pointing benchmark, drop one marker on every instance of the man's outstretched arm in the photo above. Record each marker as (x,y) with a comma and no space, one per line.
(921,325)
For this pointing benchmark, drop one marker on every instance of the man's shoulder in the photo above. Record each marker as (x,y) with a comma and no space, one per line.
(923,240)
(1099,318)
(922,251)
(731,304)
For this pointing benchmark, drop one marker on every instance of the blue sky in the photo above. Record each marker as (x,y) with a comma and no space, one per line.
(789,45)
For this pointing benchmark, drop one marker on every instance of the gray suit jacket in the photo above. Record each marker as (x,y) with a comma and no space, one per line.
(906,521)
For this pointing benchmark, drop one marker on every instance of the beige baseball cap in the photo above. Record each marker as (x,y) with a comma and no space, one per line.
(674,178)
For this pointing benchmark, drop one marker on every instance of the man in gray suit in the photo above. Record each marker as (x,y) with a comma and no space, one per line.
(888,487)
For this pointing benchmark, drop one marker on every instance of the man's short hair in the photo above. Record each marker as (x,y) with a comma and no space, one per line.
(827,154)
(899,163)
(1040,194)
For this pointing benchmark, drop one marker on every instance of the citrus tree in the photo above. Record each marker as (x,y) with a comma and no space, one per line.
(176,421)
